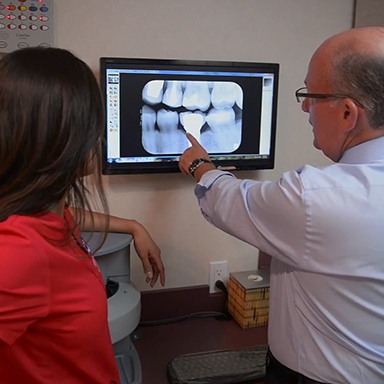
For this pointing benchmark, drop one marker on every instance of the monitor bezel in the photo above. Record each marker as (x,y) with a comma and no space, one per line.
(116,168)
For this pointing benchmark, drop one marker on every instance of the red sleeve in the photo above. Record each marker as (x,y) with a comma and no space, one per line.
(24,281)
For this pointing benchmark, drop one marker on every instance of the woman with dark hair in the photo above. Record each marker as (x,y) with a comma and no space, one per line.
(53,308)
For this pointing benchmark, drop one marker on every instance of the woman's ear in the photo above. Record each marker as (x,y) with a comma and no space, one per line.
(91,164)
(89,167)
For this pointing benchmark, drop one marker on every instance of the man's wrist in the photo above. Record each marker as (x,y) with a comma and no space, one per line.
(201,171)
(195,164)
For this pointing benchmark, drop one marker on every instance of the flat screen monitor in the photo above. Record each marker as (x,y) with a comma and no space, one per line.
(230,107)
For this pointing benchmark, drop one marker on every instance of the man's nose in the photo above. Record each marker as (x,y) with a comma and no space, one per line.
(305,105)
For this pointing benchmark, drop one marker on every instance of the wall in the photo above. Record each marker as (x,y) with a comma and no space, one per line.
(283,31)
(368,13)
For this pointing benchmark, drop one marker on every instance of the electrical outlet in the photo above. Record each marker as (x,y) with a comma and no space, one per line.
(218,270)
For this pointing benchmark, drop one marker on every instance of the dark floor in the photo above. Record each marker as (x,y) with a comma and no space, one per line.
(158,345)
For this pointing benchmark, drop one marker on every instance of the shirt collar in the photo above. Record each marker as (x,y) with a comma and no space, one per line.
(364,153)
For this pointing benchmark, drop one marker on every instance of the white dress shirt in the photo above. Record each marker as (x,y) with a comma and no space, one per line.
(324,228)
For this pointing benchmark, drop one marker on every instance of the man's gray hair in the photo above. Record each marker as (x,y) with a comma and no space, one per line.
(362,77)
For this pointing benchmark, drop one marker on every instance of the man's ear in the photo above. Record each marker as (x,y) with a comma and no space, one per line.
(351,114)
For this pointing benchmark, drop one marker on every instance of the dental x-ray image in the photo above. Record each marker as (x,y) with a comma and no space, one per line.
(210,110)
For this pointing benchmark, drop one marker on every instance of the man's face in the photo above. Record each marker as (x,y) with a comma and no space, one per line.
(324,114)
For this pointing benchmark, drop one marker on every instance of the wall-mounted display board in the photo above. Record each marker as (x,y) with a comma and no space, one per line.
(25,23)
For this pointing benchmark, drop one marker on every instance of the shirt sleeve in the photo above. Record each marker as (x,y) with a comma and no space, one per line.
(24,283)
(268,215)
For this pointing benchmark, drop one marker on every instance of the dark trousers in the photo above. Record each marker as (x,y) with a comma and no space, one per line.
(278,373)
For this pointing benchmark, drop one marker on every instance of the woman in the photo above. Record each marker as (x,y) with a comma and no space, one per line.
(53,308)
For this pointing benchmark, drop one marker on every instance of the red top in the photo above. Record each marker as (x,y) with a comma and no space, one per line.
(53,307)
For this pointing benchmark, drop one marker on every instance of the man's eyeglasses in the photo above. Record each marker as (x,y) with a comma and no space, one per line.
(302,94)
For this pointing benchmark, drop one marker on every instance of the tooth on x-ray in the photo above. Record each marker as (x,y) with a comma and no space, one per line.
(226,94)
(148,118)
(153,92)
(196,95)
(149,134)
(173,95)
(221,118)
(192,123)
(167,121)
(226,130)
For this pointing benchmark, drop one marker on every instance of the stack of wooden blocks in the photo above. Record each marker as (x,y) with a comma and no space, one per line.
(248,297)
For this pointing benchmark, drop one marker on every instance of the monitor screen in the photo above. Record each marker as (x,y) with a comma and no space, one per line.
(230,107)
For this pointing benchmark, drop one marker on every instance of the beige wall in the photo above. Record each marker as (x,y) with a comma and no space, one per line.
(283,31)
(369,13)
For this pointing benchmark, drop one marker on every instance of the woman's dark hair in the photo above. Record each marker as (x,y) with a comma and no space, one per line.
(51,124)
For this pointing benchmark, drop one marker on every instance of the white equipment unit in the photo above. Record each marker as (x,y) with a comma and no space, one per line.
(124,306)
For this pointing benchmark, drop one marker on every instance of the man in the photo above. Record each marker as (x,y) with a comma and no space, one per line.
(323,227)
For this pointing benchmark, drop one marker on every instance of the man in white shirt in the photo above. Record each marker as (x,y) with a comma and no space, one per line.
(323,227)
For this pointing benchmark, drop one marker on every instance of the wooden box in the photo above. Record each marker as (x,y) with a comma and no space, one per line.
(248,297)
